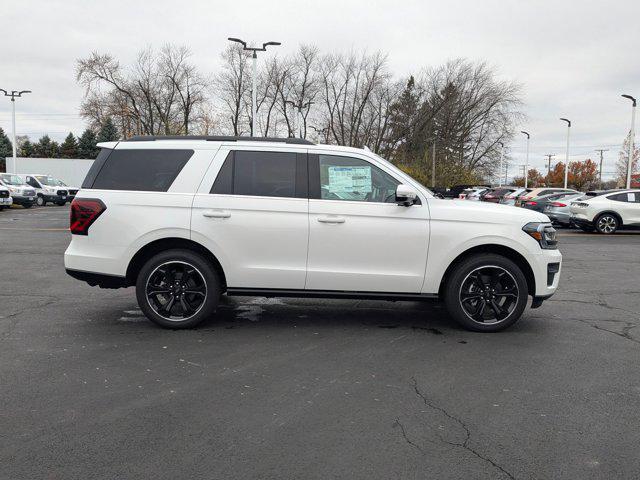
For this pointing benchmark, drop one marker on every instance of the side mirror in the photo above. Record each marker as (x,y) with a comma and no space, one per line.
(405,195)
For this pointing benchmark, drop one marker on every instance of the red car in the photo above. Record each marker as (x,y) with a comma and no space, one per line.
(496,194)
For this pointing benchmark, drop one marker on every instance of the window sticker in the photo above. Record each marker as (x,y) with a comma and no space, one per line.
(350,180)
(631,197)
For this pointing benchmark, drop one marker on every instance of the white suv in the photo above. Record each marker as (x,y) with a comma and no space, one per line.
(607,211)
(186,219)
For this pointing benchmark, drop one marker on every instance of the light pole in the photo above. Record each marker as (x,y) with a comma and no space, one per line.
(631,139)
(501,159)
(526,161)
(255,75)
(13,96)
(566,165)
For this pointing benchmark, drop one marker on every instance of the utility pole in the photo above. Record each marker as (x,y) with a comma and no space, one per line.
(14,94)
(601,150)
(501,160)
(255,76)
(549,156)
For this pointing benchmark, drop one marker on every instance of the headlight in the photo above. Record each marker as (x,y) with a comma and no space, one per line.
(543,233)
(13,190)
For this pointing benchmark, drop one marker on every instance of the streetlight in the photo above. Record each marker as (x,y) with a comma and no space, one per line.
(13,96)
(526,161)
(255,74)
(631,139)
(566,165)
(501,159)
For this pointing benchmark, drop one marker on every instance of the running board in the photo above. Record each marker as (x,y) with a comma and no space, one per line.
(336,294)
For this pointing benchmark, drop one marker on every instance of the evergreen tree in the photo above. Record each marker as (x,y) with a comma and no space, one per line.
(69,148)
(108,132)
(87,145)
(47,148)
(27,149)
(5,145)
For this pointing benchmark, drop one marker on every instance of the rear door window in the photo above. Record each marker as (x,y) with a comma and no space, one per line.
(263,174)
(152,170)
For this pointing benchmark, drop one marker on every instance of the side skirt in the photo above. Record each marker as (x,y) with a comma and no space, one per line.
(336,294)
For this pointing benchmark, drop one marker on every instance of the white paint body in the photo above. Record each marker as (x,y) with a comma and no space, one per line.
(589,209)
(300,243)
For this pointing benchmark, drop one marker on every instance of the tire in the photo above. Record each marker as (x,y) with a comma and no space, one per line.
(166,271)
(40,201)
(607,223)
(486,280)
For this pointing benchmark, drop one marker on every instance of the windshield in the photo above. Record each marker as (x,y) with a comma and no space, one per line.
(11,179)
(50,181)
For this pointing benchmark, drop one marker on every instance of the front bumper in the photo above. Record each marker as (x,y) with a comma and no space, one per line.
(6,201)
(580,221)
(54,198)
(546,267)
(24,200)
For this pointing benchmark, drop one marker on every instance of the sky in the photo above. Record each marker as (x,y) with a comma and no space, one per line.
(572,58)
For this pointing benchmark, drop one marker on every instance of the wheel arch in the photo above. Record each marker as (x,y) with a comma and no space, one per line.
(608,212)
(160,245)
(497,249)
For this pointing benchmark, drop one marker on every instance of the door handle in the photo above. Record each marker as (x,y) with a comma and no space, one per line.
(331,219)
(216,214)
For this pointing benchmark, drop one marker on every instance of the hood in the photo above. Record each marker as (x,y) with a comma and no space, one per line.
(463,210)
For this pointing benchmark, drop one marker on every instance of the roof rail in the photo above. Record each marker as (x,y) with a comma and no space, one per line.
(218,138)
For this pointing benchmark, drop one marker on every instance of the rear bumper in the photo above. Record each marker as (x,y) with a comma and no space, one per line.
(98,279)
(561,218)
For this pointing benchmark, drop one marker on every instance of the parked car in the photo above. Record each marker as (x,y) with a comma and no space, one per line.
(559,210)
(510,198)
(607,212)
(5,198)
(539,192)
(290,218)
(475,194)
(494,195)
(21,193)
(48,189)
(539,203)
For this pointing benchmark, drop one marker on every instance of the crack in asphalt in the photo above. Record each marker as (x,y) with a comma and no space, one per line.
(12,324)
(467,433)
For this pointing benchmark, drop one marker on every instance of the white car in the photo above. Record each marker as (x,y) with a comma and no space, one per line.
(608,211)
(5,198)
(475,194)
(21,193)
(186,219)
(49,189)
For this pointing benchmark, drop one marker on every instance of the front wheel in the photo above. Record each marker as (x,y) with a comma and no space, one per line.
(486,293)
(178,289)
(40,201)
(607,223)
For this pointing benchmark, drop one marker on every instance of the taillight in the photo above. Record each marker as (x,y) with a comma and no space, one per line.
(558,204)
(84,211)
(532,203)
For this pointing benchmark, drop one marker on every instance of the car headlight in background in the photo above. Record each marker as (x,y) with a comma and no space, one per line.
(543,233)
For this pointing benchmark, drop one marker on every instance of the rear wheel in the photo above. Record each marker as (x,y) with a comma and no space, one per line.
(607,223)
(178,289)
(486,293)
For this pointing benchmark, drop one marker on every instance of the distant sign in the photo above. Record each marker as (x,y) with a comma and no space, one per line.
(635,180)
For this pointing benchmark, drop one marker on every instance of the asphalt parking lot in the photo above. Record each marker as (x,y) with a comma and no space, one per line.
(314,389)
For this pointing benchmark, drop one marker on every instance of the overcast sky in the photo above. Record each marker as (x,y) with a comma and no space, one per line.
(573,58)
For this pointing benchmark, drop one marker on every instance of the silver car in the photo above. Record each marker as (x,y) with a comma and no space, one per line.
(559,210)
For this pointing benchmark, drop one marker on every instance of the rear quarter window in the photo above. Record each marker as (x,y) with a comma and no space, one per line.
(152,170)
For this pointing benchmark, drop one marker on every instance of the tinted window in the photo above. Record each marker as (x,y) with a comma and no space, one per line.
(264,174)
(619,197)
(347,178)
(96,166)
(140,170)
